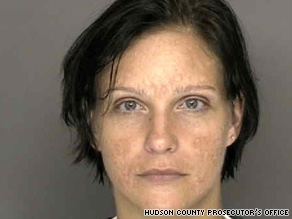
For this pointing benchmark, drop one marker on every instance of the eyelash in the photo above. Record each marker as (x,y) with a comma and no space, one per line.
(118,106)
(202,103)
(199,104)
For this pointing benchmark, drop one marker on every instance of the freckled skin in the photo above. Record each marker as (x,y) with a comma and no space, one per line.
(162,136)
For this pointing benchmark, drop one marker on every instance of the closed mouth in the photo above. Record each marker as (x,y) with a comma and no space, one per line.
(162,175)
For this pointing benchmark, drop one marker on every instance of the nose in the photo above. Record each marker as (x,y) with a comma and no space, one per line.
(161,135)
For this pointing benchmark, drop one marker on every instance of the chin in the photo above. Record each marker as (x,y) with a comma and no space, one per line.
(160,201)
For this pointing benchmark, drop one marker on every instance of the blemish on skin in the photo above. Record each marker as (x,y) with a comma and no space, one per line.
(159,66)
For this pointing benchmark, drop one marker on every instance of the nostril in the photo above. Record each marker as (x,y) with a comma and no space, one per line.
(160,144)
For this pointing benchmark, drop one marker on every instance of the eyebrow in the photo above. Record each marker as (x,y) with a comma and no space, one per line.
(194,87)
(178,90)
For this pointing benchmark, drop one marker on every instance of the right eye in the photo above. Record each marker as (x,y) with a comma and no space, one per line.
(129,106)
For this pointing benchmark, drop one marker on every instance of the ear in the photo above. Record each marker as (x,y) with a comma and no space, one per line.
(95,132)
(237,109)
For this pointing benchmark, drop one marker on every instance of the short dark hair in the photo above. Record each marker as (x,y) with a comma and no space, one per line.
(105,40)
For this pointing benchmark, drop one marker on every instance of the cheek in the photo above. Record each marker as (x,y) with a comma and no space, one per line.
(205,140)
(208,155)
(203,158)
(119,150)
(207,132)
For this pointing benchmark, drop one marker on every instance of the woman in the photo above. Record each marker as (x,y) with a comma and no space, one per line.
(163,99)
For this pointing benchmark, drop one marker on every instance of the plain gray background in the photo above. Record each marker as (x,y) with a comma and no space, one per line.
(36,178)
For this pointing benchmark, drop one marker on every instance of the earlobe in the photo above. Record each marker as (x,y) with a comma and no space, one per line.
(237,110)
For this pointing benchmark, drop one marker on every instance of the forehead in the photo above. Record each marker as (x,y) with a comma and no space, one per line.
(166,60)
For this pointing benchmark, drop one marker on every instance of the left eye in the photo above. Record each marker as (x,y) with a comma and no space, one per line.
(193,104)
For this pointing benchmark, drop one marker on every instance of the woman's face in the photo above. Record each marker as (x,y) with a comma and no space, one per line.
(164,136)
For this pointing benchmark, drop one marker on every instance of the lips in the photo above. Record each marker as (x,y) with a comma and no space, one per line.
(162,175)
